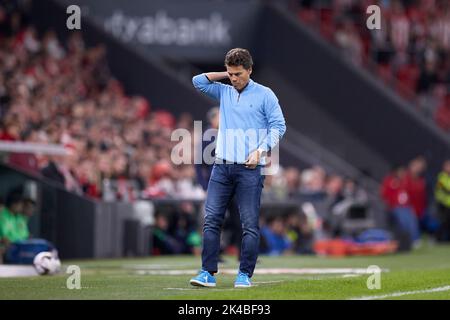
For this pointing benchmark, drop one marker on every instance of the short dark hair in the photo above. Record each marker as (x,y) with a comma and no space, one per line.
(12,198)
(239,57)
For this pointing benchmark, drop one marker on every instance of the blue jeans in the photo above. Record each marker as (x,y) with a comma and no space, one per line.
(226,181)
(406,220)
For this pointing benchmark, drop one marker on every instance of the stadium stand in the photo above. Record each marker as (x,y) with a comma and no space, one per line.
(67,96)
(410,52)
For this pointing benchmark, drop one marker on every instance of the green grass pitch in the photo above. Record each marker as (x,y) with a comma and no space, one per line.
(421,274)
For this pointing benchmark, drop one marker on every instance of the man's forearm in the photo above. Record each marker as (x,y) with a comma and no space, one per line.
(216,76)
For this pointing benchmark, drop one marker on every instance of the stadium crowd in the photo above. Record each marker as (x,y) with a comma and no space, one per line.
(410,53)
(66,95)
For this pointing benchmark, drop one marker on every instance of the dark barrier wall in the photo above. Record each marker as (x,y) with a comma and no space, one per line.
(79,227)
(84,228)
(68,221)
(64,218)
(350,96)
(137,70)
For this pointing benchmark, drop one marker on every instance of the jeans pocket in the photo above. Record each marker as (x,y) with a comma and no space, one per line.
(262,178)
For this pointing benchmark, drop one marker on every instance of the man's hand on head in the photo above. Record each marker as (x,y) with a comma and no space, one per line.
(216,76)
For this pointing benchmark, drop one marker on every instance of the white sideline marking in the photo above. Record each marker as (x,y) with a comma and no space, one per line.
(10,270)
(181,289)
(209,289)
(155,266)
(265,282)
(399,294)
(255,284)
(277,271)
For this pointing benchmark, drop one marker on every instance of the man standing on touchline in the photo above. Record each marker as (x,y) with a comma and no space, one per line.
(251,124)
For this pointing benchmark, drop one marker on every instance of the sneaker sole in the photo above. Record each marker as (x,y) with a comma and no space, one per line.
(201,284)
(242,286)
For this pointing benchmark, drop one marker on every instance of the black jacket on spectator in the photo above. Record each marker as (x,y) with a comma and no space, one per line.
(51,172)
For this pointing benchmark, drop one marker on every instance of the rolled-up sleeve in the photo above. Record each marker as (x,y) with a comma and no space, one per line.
(211,88)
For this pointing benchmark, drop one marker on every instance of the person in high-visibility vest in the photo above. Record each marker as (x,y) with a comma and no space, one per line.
(442,197)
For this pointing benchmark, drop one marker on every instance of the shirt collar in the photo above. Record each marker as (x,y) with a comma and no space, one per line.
(249,83)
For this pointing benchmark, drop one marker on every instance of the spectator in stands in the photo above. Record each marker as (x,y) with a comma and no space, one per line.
(11,131)
(292,177)
(29,207)
(416,187)
(425,83)
(267,192)
(163,242)
(89,178)
(275,237)
(351,197)
(58,172)
(349,41)
(353,190)
(13,224)
(15,238)
(334,194)
(300,232)
(161,183)
(312,185)
(26,161)
(442,198)
(120,175)
(393,189)
(399,32)
(394,192)
(185,228)
(334,188)
(185,183)
(275,188)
